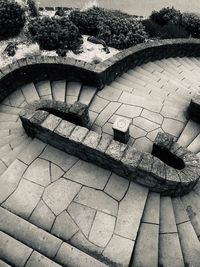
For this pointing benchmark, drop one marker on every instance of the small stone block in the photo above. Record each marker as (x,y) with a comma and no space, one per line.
(65,128)
(78,134)
(121,129)
(51,122)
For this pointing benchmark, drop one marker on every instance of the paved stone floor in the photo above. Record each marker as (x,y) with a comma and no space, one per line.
(57,210)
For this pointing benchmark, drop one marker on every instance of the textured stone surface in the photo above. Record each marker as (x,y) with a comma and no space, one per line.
(88,174)
(64,227)
(119,250)
(83,216)
(102,229)
(97,200)
(24,199)
(127,224)
(59,194)
(36,259)
(39,172)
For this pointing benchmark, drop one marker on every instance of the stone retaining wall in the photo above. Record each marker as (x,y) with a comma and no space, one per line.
(124,160)
(37,68)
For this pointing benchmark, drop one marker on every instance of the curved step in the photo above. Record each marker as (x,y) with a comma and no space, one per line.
(73,92)
(87,94)
(189,133)
(148,235)
(44,89)
(194,146)
(20,255)
(37,239)
(170,254)
(58,90)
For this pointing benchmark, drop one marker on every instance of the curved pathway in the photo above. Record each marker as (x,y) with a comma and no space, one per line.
(57,210)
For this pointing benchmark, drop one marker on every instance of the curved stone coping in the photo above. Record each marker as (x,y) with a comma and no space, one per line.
(76,113)
(37,68)
(124,160)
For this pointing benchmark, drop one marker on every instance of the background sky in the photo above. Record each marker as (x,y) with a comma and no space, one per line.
(137,7)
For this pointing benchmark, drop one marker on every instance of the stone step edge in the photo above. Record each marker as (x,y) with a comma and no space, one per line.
(40,240)
(10,257)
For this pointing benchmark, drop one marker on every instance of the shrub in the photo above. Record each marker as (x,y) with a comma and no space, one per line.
(12,18)
(170,30)
(32,8)
(55,33)
(121,33)
(191,23)
(87,20)
(166,15)
(116,28)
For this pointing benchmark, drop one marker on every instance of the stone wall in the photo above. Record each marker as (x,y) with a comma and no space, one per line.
(124,160)
(37,68)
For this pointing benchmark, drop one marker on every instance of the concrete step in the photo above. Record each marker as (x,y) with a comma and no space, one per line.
(73,92)
(58,90)
(87,94)
(194,146)
(4,117)
(44,89)
(43,242)
(189,244)
(170,254)
(16,253)
(189,133)
(191,203)
(10,157)
(13,139)
(148,236)
(10,110)
(30,93)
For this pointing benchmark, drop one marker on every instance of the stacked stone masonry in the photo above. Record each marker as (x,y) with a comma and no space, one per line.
(122,159)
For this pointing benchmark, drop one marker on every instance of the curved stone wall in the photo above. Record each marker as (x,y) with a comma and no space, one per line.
(124,160)
(37,68)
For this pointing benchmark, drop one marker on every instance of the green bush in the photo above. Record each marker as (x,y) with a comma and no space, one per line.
(153,29)
(191,23)
(55,33)
(166,15)
(121,33)
(12,18)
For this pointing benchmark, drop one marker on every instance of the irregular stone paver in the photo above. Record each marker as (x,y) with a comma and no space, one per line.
(105,115)
(145,124)
(116,187)
(3,264)
(172,126)
(136,132)
(59,194)
(81,242)
(143,144)
(36,259)
(64,227)
(56,172)
(10,179)
(129,111)
(70,256)
(32,151)
(88,174)
(119,250)
(13,251)
(98,200)
(38,172)
(58,157)
(42,216)
(102,229)
(98,104)
(152,116)
(127,224)
(83,216)
(24,199)
(110,93)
